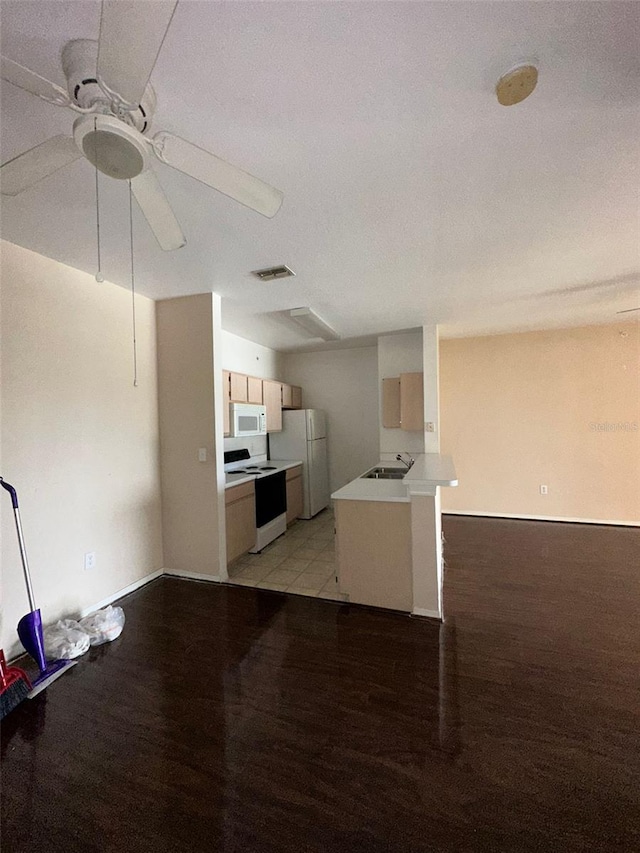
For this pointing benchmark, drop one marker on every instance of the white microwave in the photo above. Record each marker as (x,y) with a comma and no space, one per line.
(246,419)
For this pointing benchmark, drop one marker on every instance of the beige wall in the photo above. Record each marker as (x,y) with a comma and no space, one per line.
(79,442)
(343,382)
(522,410)
(190,510)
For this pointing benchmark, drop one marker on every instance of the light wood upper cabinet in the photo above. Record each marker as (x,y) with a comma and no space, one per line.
(238,388)
(403,402)
(226,399)
(254,390)
(411,401)
(272,398)
(286,396)
(391,403)
(296,397)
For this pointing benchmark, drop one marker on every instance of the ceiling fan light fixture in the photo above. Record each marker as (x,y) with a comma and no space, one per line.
(517,84)
(113,147)
(312,324)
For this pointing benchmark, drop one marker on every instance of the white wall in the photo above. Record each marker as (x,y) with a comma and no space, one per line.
(344,383)
(398,354)
(79,442)
(243,356)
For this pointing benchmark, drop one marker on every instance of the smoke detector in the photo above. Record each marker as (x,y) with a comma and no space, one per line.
(517,84)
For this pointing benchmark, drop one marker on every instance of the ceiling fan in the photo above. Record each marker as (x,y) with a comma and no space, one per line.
(108,84)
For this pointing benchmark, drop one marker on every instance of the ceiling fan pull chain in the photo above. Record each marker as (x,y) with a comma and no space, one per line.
(133,290)
(99,276)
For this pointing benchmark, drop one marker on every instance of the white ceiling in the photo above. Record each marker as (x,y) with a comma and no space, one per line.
(411,195)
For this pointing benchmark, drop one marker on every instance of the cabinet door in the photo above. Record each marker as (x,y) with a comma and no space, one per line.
(286,396)
(391,403)
(411,401)
(240,509)
(254,390)
(238,388)
(294,496)
(296,397)
(226,399)
(272,394)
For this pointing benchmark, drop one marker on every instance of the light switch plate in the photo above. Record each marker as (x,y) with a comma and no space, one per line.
(202,454)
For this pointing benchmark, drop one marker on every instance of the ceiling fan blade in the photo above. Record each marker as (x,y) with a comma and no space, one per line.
(28,80)
(214,172)
(32,166)
(131,35)
(157,210)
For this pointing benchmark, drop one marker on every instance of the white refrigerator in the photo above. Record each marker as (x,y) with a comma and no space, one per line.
(304,436)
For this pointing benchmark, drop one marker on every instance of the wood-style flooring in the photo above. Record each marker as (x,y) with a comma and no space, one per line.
(241,720)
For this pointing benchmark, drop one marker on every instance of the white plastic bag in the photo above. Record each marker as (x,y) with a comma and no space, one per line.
(103,626)
(65,640)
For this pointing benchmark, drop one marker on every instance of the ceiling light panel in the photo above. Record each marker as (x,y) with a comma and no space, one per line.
(312,324)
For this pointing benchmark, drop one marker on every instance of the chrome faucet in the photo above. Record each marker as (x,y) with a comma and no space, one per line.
(404,461)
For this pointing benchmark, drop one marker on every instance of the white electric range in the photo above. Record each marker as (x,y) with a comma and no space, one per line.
(271,491)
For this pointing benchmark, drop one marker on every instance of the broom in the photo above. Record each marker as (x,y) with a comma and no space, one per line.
(14,686)
(30,626)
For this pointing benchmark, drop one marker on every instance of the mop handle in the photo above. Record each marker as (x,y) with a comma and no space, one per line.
(23,550)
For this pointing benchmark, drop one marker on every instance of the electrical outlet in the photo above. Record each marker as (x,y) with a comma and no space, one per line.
(544,490)
(202,454)
(89,561)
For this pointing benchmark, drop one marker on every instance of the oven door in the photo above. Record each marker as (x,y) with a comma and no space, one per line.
(271,497)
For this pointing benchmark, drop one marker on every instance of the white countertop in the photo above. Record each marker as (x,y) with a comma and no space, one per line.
(232,479)
(431,469)
(428,471)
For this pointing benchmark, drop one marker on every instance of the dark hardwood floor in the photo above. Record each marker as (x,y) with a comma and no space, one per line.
(236,719)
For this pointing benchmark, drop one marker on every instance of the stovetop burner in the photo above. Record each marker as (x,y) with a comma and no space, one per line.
(268,468)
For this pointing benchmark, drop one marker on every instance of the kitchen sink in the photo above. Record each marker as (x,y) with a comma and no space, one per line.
(384,474)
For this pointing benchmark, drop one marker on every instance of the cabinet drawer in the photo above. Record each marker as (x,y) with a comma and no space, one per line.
(236,493)
(292,473)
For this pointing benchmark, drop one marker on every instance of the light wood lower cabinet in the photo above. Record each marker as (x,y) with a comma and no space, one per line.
(240,509)
(272,394)
(373,543)
(294,493)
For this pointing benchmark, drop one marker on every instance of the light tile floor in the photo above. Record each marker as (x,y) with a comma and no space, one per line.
(301,561)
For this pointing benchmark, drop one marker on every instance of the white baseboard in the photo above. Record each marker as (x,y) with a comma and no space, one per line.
(121,593)
(16,650)
(192,576)
(431,614)
(605,522)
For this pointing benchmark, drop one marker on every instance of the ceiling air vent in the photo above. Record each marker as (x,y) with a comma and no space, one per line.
(273,272)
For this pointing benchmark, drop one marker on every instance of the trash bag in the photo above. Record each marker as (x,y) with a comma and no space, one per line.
(103,626)
(65,640)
